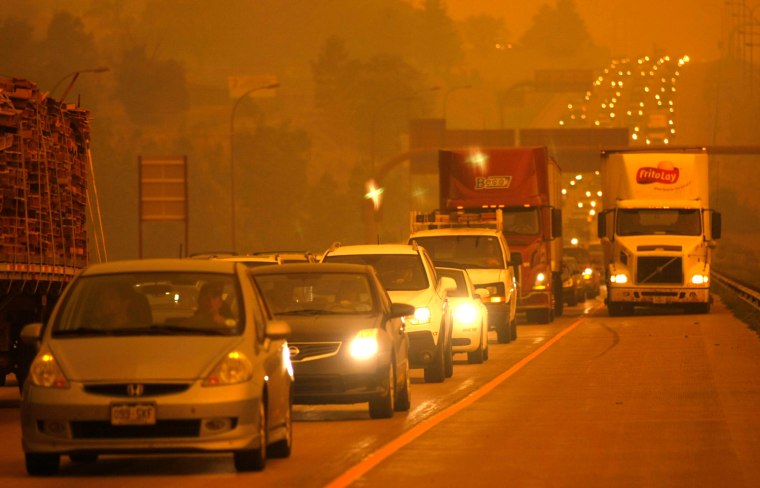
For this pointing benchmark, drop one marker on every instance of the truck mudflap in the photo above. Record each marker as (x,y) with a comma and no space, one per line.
(535,299)
(658,296)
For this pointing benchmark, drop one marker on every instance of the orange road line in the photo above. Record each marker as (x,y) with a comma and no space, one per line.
(371,461)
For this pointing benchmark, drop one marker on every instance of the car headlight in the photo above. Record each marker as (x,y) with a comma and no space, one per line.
(46,373)
(365,345)
(421,316)
(466,313)
(587,273)
(619,278)
(233,369)
(700,279)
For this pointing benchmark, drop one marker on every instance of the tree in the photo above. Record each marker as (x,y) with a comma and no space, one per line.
(436,44)
(152,91)
(17,47)
(557,31)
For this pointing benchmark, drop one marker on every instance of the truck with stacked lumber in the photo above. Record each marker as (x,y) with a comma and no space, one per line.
(44,155)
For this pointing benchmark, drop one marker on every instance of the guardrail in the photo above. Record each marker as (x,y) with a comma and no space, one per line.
(741,291)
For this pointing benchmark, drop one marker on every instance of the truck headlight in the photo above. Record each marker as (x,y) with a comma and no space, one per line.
(587,273)
(540,283)
(700,279)
(365,345)
(619,278)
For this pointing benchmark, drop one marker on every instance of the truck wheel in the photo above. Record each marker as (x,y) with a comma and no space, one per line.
(503,333)
(559,305)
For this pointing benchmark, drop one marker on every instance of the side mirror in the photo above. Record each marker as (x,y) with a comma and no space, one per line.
(277,329)
(515,258)
(716,225)
(482,293)
(447,284)
(556,223)
(401,310)
(31,333)
(601,225)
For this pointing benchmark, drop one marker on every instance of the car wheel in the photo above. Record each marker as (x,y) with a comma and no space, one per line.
(449,359)
(514,328)
(38,464)
(404,395)
(283,447)
(435,372)
(477,356)
(83,457)
(382,407)
(485,353)
(255,459)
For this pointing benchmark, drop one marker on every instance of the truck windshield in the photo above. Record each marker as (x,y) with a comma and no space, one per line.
(521,221)
(462,250)
(636,222)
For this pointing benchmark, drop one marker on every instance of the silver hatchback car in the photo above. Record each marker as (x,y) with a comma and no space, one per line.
(169,355)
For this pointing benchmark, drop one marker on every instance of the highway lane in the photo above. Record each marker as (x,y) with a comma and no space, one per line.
(625,401)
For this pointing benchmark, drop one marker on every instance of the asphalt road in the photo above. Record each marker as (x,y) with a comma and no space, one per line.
(657,399)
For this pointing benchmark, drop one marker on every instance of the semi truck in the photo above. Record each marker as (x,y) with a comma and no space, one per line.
(44,150)
(524,182)
(656,229)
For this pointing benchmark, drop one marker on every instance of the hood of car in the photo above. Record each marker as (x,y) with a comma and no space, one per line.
(139,358)
(417,298)
(486,276)
(328,327)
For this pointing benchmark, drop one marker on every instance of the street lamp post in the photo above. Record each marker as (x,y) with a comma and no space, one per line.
(232,156)
(75,75)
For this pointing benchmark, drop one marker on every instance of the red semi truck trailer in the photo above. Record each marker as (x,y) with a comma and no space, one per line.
(525,183)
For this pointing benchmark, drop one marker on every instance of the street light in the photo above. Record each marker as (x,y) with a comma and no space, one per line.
(446,96)
(232,155)
(75,75)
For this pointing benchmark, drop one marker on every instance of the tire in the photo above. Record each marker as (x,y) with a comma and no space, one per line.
(283,447)
(83,457)
(255,459)
(477,356)
(514,329)
(448,360)
(382,407)
(404,395)
(485,353)
(559,305)
(698,308)
(2,378)
(504,329)
(435,372)
(42,464)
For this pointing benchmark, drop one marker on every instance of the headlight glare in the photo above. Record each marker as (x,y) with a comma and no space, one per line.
(365,345)
(421,316)
(700,279)
(619,278)
(466,313)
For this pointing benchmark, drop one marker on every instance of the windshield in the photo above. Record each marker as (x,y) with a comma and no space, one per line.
(682,222)
(151,304)
(397,272)
(521,221)
(463,250)
(315,293)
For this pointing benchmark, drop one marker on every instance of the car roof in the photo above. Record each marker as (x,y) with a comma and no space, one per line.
(168,264)
(313,268)
(456,231)
(249,259)
(372,249)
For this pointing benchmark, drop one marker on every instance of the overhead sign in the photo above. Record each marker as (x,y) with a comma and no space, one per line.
(163,189)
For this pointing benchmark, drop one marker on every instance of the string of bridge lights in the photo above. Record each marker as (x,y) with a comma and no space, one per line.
(638,94)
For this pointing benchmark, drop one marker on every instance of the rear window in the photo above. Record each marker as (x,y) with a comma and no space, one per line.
(463,250)
(397,272)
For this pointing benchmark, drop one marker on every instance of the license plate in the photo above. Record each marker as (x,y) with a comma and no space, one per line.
(133,414)
(659,300)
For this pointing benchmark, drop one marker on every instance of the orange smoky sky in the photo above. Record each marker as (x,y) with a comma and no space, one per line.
(626,27)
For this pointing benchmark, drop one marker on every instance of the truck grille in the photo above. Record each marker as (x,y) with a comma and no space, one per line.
(659,270)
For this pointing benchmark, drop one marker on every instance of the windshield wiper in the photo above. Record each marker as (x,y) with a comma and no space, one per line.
(82,331)
(308,311)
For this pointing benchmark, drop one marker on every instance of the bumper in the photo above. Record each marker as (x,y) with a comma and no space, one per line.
(213,419)
(339,380)
(466,338)
(658,296)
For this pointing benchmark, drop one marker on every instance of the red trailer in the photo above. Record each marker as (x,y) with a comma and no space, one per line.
(525,183)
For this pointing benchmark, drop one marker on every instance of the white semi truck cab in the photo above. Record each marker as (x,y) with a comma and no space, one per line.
(657,229)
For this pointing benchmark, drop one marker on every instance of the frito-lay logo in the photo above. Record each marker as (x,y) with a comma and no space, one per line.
(488,182)
(665,172)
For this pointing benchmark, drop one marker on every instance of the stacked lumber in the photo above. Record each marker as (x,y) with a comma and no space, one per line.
(43,177)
